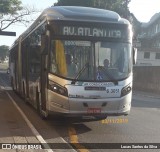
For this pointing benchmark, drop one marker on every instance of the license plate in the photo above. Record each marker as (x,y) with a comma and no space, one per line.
(94,110)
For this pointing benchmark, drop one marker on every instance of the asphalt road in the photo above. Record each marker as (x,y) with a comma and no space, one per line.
(142,125)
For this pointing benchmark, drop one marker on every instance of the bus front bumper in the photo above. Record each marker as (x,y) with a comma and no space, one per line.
(95,107)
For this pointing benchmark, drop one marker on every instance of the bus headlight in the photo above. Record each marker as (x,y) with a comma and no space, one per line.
(58,89)
(127,89)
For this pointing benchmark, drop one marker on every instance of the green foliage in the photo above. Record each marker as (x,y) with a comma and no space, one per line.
(4,50)
(119,6)
(136,26)
(9,12)
(12,12)
(87,3)
(9,7)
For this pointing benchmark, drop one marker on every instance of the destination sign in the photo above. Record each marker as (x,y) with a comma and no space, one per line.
(91,32)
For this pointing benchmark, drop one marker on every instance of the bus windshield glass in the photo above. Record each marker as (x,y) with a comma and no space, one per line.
(90,61)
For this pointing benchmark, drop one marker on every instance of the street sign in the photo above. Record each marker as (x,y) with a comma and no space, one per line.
(7,33)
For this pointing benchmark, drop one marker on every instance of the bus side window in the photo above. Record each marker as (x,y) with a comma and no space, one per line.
(35,67)
(53,65)
(34,62)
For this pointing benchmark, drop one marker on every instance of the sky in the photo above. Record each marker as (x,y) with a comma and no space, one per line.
(142,9)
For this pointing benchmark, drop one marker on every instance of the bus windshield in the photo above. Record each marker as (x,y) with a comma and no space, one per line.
(90,61)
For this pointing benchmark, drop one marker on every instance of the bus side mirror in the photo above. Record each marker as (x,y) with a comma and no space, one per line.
(134,55)
(44,44)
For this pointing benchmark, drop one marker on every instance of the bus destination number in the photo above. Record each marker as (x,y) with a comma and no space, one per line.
(112,91)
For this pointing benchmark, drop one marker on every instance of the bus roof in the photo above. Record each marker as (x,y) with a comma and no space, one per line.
(76,13)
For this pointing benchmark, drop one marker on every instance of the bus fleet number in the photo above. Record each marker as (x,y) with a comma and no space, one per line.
(112,90)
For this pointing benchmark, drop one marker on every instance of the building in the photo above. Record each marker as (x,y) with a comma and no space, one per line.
(149,43)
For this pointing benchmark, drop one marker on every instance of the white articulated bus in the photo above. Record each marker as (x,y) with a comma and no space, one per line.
(75,61)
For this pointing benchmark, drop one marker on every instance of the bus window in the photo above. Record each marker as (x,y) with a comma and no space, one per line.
(117,54)
(69,57)
(57,59)
(53,65)
(34,63)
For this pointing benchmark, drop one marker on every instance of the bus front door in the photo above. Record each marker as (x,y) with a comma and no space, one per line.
(43,79)
(43,87)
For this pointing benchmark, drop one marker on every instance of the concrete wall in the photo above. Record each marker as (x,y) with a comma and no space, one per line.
(146,78)
(151,61)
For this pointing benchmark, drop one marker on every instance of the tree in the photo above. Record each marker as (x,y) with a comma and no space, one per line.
(4,50)
(12,12)
(136,26)
(86,3)
(119,6)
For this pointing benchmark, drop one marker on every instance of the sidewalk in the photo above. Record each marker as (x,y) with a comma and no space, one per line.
(146,94)
(13,128)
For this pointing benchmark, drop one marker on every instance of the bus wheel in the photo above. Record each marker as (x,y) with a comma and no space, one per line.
(42,114)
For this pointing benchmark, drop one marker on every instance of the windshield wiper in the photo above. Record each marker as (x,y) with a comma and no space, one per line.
(111,78)
(79,73)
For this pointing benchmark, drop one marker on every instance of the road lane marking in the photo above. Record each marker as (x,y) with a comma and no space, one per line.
(74,139)
(33,129)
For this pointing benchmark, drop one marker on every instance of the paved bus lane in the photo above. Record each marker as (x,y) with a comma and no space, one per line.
(54,131)
(139,129)
(13,128)
(15,125)
(140,126)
